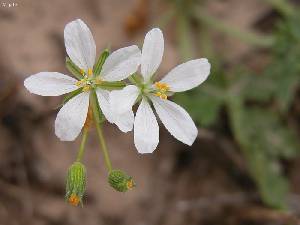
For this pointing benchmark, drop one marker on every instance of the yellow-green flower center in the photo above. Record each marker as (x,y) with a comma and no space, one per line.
(88,80)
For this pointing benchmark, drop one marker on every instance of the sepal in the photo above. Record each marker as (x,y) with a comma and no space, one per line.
(98,66)
(120,181)
(73,69)
(76,184)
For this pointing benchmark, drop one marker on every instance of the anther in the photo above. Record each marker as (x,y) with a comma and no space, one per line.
(82,72)
(162,89)
(90,72)
(86,88)
(164,96)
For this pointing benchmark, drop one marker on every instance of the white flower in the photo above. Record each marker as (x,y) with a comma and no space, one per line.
(183,77)
(81,48)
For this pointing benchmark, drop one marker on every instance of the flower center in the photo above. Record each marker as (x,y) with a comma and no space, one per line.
(74,200)
(88,80)
(161,90)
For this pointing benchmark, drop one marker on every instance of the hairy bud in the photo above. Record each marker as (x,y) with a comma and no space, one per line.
(76,182)
(120,181)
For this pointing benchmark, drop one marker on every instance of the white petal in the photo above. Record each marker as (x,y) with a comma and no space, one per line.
(176,120)
(122,100)
(152,53)
(124,121)
(103,100)
(71,117)
(146,130)
(50,84)
(80,44)
(187,75)
(121,63)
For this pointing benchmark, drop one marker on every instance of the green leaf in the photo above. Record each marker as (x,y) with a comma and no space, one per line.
(264,140)
(271,183)
(284,69)
(98,66)
(254,87)
(111,85)
(73,69)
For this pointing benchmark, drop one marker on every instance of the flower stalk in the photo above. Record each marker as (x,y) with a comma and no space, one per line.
(97,116)
(82,145)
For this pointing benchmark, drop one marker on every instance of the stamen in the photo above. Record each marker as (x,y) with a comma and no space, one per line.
(162,89)
(90,72)
(164,96)
(79,83)
(86,88)
(158,94)
(82,72)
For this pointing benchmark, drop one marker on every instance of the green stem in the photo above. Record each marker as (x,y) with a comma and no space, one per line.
(184,33)
(97,116)
(82,145)
(282,6)
(244,35)
(103,147)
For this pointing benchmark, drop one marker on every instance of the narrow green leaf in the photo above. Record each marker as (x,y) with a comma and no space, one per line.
(69,96)
(98,66)
(111,85)
(75,70)
(136,79)
(99,117)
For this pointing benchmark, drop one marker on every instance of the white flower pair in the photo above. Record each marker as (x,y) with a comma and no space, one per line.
(117,105)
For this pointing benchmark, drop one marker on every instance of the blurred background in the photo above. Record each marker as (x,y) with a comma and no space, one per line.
(244,168)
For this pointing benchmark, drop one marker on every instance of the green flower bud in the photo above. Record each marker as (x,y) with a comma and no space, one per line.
(120,181)
(76,182)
